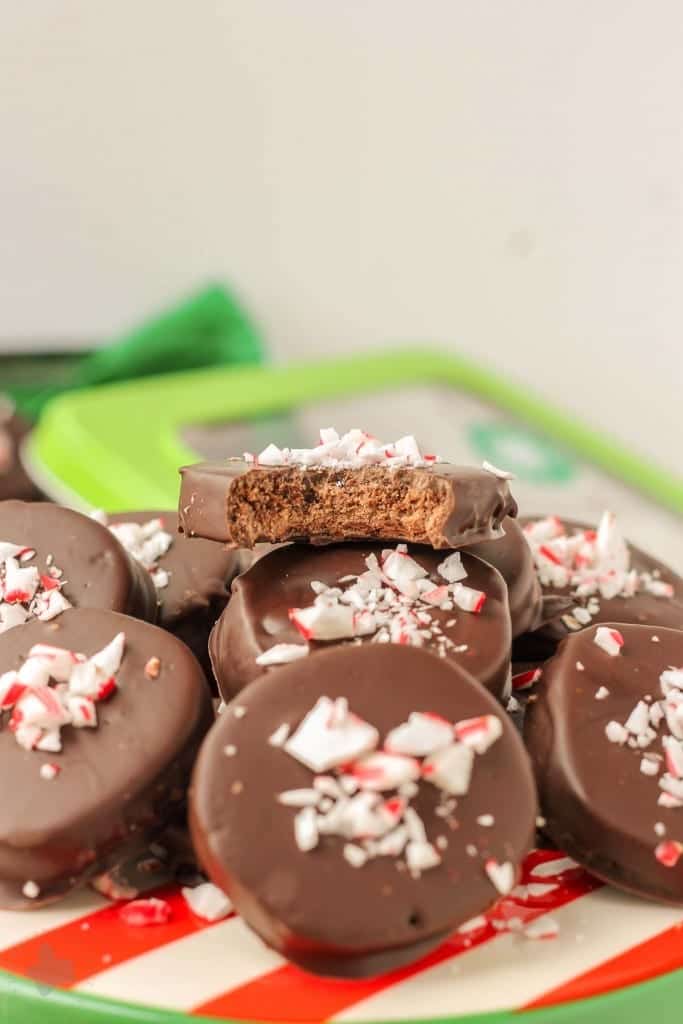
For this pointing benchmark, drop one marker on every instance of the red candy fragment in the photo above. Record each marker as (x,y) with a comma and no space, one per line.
(141,913)
(668,853)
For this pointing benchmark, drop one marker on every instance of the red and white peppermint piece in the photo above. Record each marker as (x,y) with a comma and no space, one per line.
(450,768)
(609,640)
(639,719)
(422,734)
(39,706)
(326,738)
(145,912)
(49,604)
(379,771)
(325,621)
(282,654)
(525,680)
(671,679)
(49,771)
(402,570)
(207,901)
(502,876)
(11,689)
(9,550)
(468,599)
(82,711)
(673,754)
(668,852)
(60,661)
(20,584)
(11,615)
(479,733)
(452,569)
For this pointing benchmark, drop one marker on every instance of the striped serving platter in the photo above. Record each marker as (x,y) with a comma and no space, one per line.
(606,941)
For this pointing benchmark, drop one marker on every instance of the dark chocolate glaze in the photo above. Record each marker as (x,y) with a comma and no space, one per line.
(257,617)
(118,781)
(315,908)
(475,506)
(644,609)
(200,572)
(97,570)
(512,557)
(599,807)
(14,480)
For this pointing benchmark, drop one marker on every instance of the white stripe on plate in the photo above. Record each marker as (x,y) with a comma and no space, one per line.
(19,925)
(511,970)
(188,971)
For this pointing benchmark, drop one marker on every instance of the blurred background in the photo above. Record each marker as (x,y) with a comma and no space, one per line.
(500,179)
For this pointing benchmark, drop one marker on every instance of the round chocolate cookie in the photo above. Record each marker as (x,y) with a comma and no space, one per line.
(192,577)
(591,576)
(605,735)
(14,481)
(52,558)
(93,753)
(262,614)
(351,806)
(512,557)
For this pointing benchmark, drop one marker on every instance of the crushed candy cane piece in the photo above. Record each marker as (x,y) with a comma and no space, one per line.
(542,928)
(207,901)
(279,737)
(501,876)
(501,474)
(421,735)
(324,621)
(668,853)
(30,890)
(379,771)
(452,569)
(49,771)
(145,912)
(450,768)
(306,829)
(331,735)
(353,450)
(479,733)
(555,866)
(602,693)
(282,654)
(468,599)
(525,680)
(421,856)
(609,640)
(616,733)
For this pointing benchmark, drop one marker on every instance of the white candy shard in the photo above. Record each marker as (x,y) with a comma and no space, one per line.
(556,866)
(502,876)
(379,771)
(325,621)
(282,654)
(452,569)
(479,733)
(207,901)
(328,737)
(421,856)
(306,829)
(609,640)
(421,735)
(450,768)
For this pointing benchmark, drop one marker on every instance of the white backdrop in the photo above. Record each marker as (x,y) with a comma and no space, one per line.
(505,178)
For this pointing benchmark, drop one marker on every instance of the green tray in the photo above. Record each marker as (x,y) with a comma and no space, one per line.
(119,447)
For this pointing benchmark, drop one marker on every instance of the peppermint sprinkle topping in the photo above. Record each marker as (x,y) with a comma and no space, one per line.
(602,693)
(207,901)
(146,542)
(365,795)
(39,710)
(593,564)
(610,640)
(30,890)
(352,450)
(25,592)
(393,601)
(502,876)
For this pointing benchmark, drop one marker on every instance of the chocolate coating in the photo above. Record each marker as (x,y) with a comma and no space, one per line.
(599,806)
(512,557)
(315,908)
(97,570)
(460,504)
(257,617)
(200,572)
(643,608)
(117,781)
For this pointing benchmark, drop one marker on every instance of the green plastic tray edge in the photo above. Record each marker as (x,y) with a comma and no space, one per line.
(111,478)
(658,999)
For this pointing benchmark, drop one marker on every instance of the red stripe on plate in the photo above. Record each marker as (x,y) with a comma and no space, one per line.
(658,955)
(73,952)
(289,994)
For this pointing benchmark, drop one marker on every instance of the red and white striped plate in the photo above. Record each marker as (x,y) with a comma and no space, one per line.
(606,940)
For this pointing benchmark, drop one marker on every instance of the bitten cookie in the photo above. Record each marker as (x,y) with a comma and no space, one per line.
(351,806)
(605,735)
(347,488)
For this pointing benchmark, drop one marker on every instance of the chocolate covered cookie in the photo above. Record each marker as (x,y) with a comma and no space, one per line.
(351,806)
(511,556)
(192,578)
(605,735)
(297,600)
(101,715)
(591,576)
(347,488)
(53,558)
